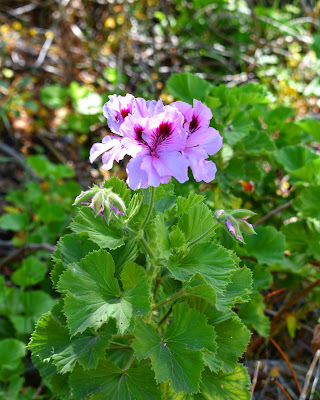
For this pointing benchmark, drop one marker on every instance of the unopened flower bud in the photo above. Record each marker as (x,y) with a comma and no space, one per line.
(221,215)
(245,226)
(85,197)
(97,203)
(116,204)
(242,213)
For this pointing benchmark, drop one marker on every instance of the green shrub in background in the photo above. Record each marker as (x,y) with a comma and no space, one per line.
(38,214)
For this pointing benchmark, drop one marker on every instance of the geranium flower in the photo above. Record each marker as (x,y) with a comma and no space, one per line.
(117,109)
(112,150)
(155,144)
(147,108)
(202,140)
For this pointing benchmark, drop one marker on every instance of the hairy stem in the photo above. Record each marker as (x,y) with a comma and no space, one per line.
(163,302)
(153,194)
(204,235)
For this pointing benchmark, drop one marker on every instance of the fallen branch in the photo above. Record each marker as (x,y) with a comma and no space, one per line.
(274,212)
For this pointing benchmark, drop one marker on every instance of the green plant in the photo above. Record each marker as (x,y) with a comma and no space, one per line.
(153,284)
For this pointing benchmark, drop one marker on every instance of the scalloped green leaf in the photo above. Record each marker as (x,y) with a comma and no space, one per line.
(233,385)
(210,260)
(93,295)
(98,230)
(268,245)
(119,187)
(196,222)
(109,380)
(308,202)
(186,87)
(177,355)
(252,314)
(51,341)
(237,291)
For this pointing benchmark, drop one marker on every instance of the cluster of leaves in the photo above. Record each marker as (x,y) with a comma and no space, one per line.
(38,215)
(146,304)
(268,160)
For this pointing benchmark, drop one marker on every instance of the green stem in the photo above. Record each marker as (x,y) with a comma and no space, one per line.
(165,317)
(208,233)
(147,249)
(129,363)
(153,195)
(163,302)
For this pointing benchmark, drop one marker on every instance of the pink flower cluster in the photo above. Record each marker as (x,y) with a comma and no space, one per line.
(163,141)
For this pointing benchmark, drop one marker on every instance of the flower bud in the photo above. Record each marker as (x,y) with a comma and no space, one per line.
(116,204)
(85,197)
(235,222)
(97,203)
(220,215)
(242,213)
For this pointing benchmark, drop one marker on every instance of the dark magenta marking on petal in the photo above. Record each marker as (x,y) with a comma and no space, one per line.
(138,130)
(160,134)
(194,124)
(124,113)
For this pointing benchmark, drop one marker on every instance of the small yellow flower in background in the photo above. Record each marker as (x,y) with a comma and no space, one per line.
(4,29)
(159,85)
(49,35)
(33,31)
(120,19)
(155,76)
(17,25)
(110,23)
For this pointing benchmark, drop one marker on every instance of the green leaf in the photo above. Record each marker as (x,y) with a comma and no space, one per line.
(99,231)
(198,287)
(308,202)
(187,87)
(295,157)
(14,221)
(11,351)
(162,236)
(258,142)
(54,96)
(210,260)
(184,204)
(131,275)
(316,45)
(232,338)
(303,237)
(124,254)
(309,173)
(239,129)
(310,125)
(72,248)
(134,206)
(109,380)
(177,355)
(32,304)
(196,222)
(51,341)
(226,386)
(268,245)
(237,291)
(262,278)
(31,272)
(93,295)
(252,314)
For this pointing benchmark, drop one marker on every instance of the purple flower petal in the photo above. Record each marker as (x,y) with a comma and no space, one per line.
(117,109)
(137,178)
(147,108)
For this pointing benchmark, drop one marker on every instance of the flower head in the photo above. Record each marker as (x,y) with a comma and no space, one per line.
(202,140)
(162,141)
(117,109)
(155,144)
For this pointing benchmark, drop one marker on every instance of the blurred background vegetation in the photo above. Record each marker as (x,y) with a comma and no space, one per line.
(59,61)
